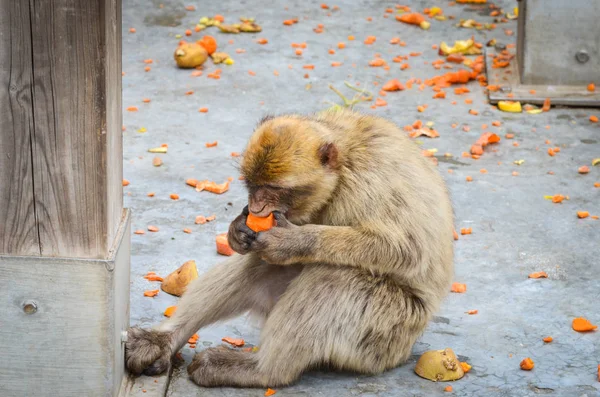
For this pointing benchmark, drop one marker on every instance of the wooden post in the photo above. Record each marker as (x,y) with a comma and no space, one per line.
(64,237)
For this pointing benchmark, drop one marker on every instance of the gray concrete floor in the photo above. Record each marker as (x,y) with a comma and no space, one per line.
(515,230)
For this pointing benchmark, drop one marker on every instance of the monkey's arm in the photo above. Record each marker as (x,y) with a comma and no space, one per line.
(339,245)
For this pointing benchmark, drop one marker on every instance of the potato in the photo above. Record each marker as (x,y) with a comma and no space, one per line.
(190,55)
(176,282)
(439,365)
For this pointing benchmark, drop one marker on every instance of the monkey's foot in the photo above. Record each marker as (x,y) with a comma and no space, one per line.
(221,366)
(147,351)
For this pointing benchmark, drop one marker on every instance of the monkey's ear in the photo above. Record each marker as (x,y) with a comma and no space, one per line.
(328,155)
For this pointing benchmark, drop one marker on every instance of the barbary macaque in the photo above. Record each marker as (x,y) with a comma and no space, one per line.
(359,260)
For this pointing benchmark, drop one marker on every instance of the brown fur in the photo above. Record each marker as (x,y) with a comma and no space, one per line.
(358,263)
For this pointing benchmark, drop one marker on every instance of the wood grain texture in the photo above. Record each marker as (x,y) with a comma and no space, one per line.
(70,197)
(18,229)
(71,346)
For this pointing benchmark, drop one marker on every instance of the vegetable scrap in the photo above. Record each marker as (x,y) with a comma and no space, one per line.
(471,312)
(582,214)
(151,293)
(510,106)
(584,169)
(448,388)
(190,55)
(259,224)
(169,311)
(270,392)
(151,276)
(152,228)
(233,341)
(177,281)
(466,230)
(485,139)
(538,275)
(161,149)
(201,220)
(527,364)
(439,366)
(548,339)
(465,366)
(465,47)
(459,288)
(223,247)
(414,19)
(581,324)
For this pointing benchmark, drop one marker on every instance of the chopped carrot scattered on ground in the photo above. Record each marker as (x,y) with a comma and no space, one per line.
(582,214)
(174,196)
(591,87)
(594,119)
(473,311)
(538,275)
(211,144)
(548,339)
(139,231)
(262,41)
(527,364)
(485,139)
(203,110)
(233,341)
(466,230)
(270,392)
(458,288)
(151,293)
(448,388)
(169,311)
(581,324)
(465,366)
(469,179)
(151,276)
(132,30)
(455,235)
(584,169)
(152,228)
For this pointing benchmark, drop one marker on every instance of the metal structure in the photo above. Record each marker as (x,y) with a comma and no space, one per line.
(558,54)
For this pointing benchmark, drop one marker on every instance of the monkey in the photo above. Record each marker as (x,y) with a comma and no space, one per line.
(360,258)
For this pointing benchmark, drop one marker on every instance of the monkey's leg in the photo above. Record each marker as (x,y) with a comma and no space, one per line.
(231,288)
(338,316)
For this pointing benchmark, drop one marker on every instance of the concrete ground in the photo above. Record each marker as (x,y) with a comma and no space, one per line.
(516,230)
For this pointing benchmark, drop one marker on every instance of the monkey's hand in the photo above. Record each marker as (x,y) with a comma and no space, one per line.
(240,236)
(284,244)
(147,351)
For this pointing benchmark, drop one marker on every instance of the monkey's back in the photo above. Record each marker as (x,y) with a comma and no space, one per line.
(387,186)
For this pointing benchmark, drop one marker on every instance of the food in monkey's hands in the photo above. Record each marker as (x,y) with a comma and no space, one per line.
(176,282)
(259,224)
(223,247)
(190,55)
(439,365)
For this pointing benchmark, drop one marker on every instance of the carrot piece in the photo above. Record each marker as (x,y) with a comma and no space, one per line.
(219,18)
(411,19)
(139,231)
(309,67)
(153,277)
(211,144)
(473,312)
(270,392)
(546,106)
(469,179)
(473,112)
(527,364)
(223,247)
(581,324)
(380,102)
(582,214)
(455,235)
(538,275)
(209,43)
(597,184)
(377,62)
(132,109)
(193,339)
(174,196)
(548,339)
(259,224)
(591,87)
(125,182)
(262,41)
(584,169)
(448,388)
(458,288)
(324,6)
(439,95)
(233,341)
(169,311)
(466,230)
(594,119)
(152,228)
(151,293)
(465,366)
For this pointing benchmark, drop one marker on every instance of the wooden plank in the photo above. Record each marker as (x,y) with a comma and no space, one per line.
(71,345)
(77,204)
(18,231)
(509,82)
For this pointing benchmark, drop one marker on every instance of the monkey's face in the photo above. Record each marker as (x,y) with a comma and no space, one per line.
(290,169)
